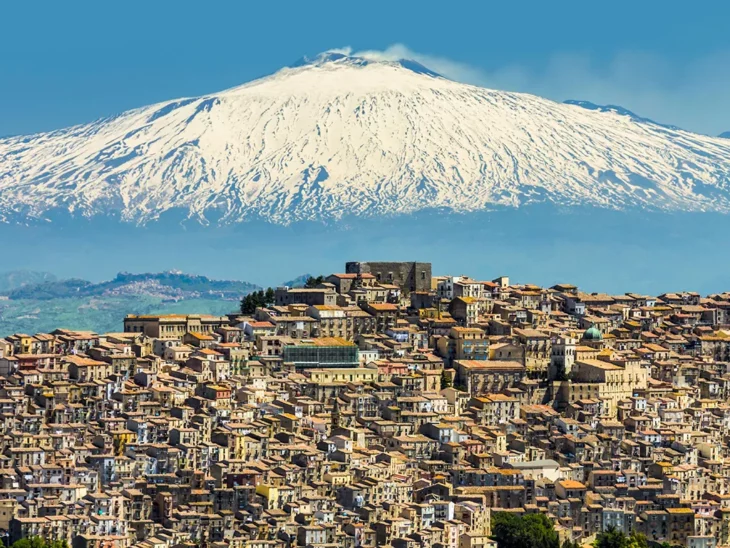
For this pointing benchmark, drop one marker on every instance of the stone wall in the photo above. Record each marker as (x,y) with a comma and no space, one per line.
(409,276)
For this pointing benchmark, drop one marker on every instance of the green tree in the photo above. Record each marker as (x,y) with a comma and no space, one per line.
(38,542)
(613,538)
(523,531)
(638,540)
(269,297)
(247,304)
(257,299)
(314,282)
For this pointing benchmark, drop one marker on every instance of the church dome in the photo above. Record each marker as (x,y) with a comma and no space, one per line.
(592,334)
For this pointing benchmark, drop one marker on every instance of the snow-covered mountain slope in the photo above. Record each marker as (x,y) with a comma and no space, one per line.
(617,110)
(348,136)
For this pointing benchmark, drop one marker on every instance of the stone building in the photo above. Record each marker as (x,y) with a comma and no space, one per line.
(410,276)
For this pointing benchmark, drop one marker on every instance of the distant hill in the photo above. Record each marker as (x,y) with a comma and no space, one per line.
(37,302)
(166,285)
(299,281)
(100,314)
(15,279)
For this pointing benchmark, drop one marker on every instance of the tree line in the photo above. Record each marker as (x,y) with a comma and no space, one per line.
(257,299)
(265,297)
(512,530)
(39,542)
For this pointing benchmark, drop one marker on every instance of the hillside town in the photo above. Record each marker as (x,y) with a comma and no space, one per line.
(380,406)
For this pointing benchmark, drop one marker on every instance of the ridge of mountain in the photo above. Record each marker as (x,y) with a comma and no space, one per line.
(299,281)
(618,110)
(171,285)
(14,279)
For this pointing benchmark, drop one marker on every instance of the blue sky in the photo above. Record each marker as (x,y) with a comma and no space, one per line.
(70,62)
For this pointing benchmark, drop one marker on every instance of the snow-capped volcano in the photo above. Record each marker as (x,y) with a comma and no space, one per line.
(342,135)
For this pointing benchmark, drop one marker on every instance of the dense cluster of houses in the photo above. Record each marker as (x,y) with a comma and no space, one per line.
(384,406)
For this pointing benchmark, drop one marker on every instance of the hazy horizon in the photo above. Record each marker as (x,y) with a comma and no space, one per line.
(599,250)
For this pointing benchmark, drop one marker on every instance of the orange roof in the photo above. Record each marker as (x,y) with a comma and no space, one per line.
(327,341)
(383,307)
(81,361)
(364,275)
(571,484)
(209,352)
(261,324)
(490,364)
